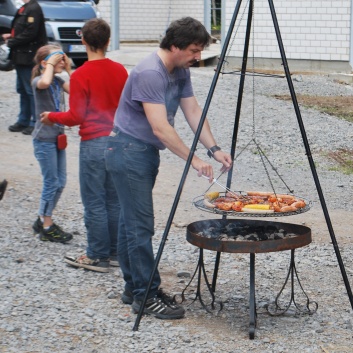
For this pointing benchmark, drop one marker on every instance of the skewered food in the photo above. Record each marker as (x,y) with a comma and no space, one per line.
(254,202)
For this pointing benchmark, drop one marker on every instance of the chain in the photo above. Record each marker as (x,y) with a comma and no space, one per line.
(234,35)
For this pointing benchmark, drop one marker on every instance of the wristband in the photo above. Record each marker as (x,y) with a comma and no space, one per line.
(212,150)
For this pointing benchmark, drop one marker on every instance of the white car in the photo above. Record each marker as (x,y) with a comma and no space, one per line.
(63,21)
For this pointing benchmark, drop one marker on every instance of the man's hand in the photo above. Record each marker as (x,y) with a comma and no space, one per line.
(202,168)
(44,118)
(6,36)
(223,158)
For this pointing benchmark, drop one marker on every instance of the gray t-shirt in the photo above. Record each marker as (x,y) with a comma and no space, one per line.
(48,100)
(150,82)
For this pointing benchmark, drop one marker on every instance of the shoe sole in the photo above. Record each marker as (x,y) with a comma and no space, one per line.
(73,263)
(114,263)
(136,309)
(26,132)
(53,240)
(16,130)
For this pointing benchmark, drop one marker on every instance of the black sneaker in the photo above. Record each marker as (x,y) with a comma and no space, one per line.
(55,234)
(127,297)
(28,130)
(161,310)
(3,186)
(166,297)
(37,226)
(17,127)
(83,261)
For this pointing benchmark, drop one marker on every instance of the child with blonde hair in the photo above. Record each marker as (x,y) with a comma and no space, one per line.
(50,141)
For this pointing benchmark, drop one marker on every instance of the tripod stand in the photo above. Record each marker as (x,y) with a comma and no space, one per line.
(234,139)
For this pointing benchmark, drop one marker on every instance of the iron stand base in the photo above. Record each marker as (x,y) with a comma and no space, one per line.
(201,271)
(275,309)
(252,301)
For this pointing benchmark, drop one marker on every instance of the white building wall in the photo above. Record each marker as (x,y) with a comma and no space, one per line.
(310,30)
(104,7)
(142,20)
(313,32)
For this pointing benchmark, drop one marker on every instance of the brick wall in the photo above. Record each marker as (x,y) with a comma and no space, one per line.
(310,30)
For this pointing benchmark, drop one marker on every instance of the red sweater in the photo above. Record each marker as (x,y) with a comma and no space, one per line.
(95,90)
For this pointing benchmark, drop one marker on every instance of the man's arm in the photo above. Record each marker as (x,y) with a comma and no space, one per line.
(157,117)
(193,112)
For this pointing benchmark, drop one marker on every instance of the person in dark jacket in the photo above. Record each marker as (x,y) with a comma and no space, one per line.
(27,35)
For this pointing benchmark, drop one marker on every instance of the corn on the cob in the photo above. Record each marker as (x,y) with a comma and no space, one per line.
(249,210)
(257,207)
(212,195)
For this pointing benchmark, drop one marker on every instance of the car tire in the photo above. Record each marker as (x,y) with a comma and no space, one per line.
(5,63)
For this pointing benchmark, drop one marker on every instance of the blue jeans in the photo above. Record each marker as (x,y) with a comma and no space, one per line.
(24,89)
(53,167)
(100,200)
(134,166)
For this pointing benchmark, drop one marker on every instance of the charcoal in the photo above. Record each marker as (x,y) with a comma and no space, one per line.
(234,231)
(252,237)
(264,236)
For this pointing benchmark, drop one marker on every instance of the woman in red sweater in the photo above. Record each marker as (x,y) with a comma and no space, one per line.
(95,90)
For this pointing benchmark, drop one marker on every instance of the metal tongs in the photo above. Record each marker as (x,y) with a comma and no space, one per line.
(215,181)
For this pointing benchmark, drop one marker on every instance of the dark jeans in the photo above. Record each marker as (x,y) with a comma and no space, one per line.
(134,166)
(100,201)
(24,89)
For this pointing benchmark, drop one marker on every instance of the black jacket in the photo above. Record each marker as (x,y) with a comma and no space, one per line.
(28,33)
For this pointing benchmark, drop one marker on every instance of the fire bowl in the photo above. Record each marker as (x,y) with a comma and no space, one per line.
(247,236)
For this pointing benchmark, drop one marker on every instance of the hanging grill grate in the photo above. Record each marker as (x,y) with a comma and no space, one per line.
(199,202)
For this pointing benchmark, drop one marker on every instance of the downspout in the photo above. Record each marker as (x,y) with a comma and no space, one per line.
(223,20)
(207,15)
(351,38)
(115,20)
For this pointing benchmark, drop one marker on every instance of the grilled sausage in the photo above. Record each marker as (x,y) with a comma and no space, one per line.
(288,209)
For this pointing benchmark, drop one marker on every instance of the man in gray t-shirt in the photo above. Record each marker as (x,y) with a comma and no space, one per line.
(144,124)
(150,82)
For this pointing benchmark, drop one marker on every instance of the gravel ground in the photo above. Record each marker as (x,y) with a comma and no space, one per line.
(49,307)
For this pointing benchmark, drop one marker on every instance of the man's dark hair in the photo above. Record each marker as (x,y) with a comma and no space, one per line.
(96,33)
(181,33)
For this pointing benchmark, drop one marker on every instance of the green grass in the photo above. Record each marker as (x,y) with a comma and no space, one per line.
(339,106)
(343,159)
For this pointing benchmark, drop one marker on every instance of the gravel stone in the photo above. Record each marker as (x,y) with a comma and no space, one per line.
(48,306)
